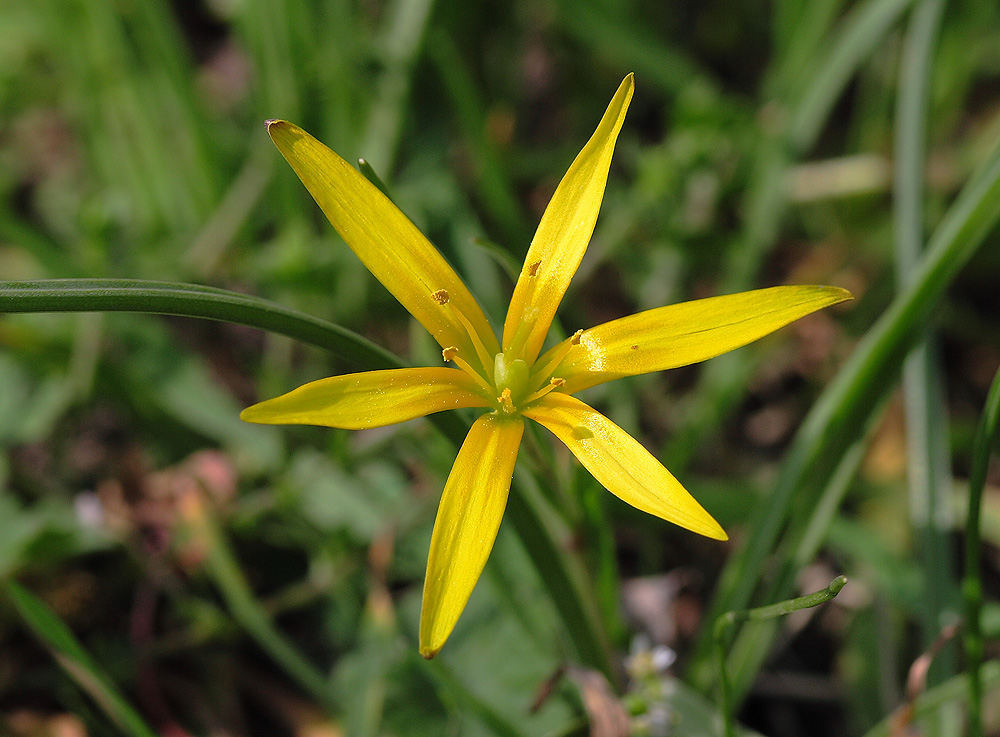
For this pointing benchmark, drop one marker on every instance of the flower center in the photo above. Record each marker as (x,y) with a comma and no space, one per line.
(515,383)
(510,377)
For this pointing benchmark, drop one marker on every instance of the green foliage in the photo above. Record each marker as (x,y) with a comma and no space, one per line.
(273,582)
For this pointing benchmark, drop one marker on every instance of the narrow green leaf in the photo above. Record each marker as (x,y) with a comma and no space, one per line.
(863,30)
(953,691)
(191,300)
(928,463)
(77,662)
(844,409)
(985,442)
(533,525)
(225,571)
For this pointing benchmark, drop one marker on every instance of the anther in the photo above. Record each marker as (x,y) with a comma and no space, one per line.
(449,353)
(440,296)
(575,338)
(506,402)
(554,383)
(533,268)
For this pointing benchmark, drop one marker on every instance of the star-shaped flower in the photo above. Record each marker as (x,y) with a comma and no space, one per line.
(513,379)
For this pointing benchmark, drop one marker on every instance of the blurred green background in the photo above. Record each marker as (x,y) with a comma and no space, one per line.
(767,143)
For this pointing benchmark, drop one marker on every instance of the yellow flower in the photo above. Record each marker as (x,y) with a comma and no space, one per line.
(513,379)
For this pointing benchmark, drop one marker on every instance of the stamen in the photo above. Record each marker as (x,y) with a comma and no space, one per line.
(554,383)
(442,298)
(451,354)
(505,401)
(556,356)
(484,355)
(464,365)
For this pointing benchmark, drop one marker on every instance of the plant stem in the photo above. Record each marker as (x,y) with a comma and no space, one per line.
(983,444)
(724,622)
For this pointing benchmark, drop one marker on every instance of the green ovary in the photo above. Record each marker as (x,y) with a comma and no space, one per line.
(510,374)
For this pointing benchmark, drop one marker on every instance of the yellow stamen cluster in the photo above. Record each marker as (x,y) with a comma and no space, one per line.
(512,383)
(506,403)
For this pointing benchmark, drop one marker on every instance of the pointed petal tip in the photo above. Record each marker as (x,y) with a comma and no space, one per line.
(261,414)
(247,415)
(719,535)
(428,653)
(833,295)
(706,526)
(276,126)
(842,294)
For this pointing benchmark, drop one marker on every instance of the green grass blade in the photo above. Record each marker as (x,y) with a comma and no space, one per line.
(77,662)
(953,691)
(862,32)
(191,300)
(845,408)
(767,198)
(985,442)
(533,525)
(403,38)
(227,575)
(928,463)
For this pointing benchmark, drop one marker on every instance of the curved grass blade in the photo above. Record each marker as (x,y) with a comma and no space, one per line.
(77,662)
(191,300)
(840,415)
(862,31)
(224,570)
(808,104)
(538,527)
(982,448)
(953,691)
(928,471)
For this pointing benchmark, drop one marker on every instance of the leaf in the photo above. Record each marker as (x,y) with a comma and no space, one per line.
(77,662)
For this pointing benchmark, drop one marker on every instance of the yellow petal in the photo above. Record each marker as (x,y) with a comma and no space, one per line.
(370,399)
(564,231)
(621,464)
(685,333)
(467,522)
(392,248)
